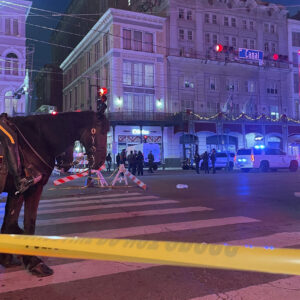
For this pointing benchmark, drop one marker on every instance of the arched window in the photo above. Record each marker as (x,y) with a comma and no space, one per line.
(11,64)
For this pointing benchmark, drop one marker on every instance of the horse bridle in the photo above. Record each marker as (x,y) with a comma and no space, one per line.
(92,150)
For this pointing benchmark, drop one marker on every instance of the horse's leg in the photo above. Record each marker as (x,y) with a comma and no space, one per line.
(32,263)
(10,225)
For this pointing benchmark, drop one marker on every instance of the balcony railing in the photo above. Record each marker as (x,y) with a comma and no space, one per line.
(141,116)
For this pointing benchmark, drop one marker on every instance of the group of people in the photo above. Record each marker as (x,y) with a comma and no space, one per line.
(206,157)
(135,161)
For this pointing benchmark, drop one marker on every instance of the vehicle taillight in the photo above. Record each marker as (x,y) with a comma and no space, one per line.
(252,157)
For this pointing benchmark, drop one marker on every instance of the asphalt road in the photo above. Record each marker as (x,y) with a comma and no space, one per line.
(237,208)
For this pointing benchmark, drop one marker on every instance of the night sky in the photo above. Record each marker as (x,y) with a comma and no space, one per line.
(42,51)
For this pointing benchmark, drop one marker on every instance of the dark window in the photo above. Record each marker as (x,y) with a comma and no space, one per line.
(257,151)
(244,152)
(221,155)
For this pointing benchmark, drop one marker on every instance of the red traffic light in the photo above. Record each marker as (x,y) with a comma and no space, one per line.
(219,48)
(275,56)
(102,91)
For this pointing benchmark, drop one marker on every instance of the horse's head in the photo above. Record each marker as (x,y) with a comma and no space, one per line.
(94,139)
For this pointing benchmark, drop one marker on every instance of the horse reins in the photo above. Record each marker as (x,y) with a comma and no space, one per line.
(31,147)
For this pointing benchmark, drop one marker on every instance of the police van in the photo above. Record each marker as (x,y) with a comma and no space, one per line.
(264,159)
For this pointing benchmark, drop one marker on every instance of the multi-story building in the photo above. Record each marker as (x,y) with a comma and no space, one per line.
(79,18)
(13,56)
(125,52)
(294,57)
(48,86)
(224,62)
(222,83)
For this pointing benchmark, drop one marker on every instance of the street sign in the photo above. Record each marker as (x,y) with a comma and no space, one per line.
(251,54)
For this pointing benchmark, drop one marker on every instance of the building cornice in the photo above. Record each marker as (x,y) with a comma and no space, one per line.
(106,19)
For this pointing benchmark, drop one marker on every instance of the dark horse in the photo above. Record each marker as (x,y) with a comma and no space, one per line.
(41,139)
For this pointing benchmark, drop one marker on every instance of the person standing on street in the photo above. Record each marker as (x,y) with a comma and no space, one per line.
(150,161)
(134,162)
(205,158)
(213,160)
(197,161)
(118,158)
(108,161)
(130,161)
(140,163)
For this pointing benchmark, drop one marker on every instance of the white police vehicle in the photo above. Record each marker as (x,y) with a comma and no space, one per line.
(224,160)
(264,159)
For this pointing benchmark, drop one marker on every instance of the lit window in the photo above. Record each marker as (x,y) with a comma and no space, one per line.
(127,77)
(138,74)
(11,64)
(149,75)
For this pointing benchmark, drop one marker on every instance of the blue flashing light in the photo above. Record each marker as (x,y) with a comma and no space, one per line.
(259,147)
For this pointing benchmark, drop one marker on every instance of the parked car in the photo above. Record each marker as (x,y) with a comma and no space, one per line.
(264,159)
(223,160)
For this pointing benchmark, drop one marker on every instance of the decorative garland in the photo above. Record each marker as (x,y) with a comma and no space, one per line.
(242,115)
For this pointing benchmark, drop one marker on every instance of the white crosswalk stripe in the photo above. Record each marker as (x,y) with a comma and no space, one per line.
(151,206)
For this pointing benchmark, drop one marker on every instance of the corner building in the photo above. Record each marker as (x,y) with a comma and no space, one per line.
(125,52)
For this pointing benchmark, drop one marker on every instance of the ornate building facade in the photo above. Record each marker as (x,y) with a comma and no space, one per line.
(13,56)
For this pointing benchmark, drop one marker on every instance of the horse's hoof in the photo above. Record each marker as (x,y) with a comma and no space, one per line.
(41,270)
(9,260)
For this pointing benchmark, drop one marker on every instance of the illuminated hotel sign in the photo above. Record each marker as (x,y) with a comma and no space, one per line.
(138,131)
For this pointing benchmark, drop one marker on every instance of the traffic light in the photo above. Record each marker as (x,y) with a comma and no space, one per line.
(275,56)
(219,48)
(101,91)
(145,138)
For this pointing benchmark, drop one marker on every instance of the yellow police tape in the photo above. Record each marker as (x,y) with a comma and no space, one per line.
(247,258)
